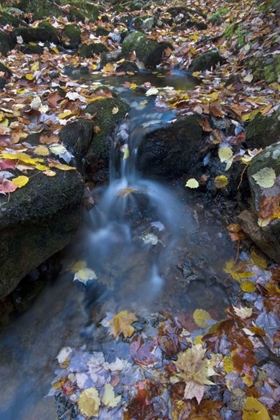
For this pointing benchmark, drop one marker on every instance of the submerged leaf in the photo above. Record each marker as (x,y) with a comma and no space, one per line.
(254,410)
(200,317)
(121,324)
(89,402)
(84,275)
(109,398)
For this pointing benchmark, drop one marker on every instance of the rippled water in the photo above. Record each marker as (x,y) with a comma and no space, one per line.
(152,248)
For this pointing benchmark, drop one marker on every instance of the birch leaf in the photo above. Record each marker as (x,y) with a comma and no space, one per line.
(225,153)
(109,398)
(265,177)
(192,183)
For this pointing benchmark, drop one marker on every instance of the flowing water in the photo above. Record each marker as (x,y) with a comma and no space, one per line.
(153,248)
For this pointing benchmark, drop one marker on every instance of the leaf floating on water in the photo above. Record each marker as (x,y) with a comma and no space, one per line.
(225,154)
(265,177)
(89,402)
(221,181)
(78,265)
(200,317)
(243,312)
(63,356)
(120,324)
(125,192)
(192,183)
(194,369)
(237,270)
(84,275)
(254,410)
(109,398)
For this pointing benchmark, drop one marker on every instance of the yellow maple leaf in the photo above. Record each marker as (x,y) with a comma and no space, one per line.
(20,181)
(121,324)
(254,410)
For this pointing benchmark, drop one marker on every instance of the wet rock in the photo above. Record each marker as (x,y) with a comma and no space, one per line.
(128,67)
(108,114)
(31,49)
(6,43)
(75,15)
(149,52)
(100,31)
(173,150)
(263,131)
(89,50)
(259,222)
(71,36)
(77,138)
(206,61)
(109,57)
(36,222)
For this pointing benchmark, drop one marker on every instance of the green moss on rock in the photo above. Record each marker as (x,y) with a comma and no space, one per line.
(263,131)
(89,50)
(5,43)
(72,34)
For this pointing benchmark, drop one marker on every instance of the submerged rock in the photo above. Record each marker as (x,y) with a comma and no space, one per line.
(261,222)
(36,222)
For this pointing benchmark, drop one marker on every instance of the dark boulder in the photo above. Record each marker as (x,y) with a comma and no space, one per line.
(206,61)
(263,131)
(37,221)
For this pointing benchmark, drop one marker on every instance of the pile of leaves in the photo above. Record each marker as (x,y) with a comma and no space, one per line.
(185,365)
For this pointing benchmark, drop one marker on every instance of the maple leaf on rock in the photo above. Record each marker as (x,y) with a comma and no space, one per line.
(194,369)
(120,324)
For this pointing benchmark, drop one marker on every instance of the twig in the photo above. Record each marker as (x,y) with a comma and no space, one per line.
(241,177)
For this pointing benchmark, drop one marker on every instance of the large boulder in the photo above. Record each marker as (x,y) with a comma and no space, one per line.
(37,221)
(207,61)
(149,52)
(5,43)
(261,222)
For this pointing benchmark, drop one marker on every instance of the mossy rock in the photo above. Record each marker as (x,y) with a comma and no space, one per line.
(4,69)
(138,5)
(45,32)
(107,120)
(217,17)
(51,31)
(30,49)
(206,61)
(37,221)
(2,83)
(89,50)
(75,15)
(40,9)
(144,22)
(264,68)
(71,36)
(90,11)
(263,131)
(9,19)
(100,31)
(148,51)
(6,43)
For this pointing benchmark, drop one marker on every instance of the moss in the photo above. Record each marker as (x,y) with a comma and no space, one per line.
(106,120)
(41,9)
(269,73)
(216,18)
(52,34)
(5,43)
(75,15)
(73,35)
(88,50)
(8,19)
(263,131)
(230,30)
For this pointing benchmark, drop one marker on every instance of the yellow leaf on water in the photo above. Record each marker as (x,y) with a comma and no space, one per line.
(221,181)
(225,153)
(133,85)
(20,181)
(248,286)
(84,275)
(258,260)
(78,265)
(89,402)
(237,270)
(200,317)
(254,410)
(121,324)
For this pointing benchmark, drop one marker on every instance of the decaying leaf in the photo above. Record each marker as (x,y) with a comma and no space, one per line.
(237,270)
(221,181)
(194,369)
(121,324)
(243,313)
(89,402)
(254,410)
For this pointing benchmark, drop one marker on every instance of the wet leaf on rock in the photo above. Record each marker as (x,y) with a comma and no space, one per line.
(265,177)
(192,183)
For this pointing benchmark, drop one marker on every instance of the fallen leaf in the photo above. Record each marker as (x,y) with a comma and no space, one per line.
(109,398)
(84,275)
(192,183)
(225,153)
(89,402)
(265,177)
(20,181)
(121,324)
(221,181)
(61,166)
(200,317)
(254,410)
(41,151)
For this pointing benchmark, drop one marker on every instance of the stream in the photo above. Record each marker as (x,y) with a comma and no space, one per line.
(153,247)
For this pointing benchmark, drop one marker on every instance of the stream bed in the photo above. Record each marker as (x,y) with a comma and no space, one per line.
(153,247)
